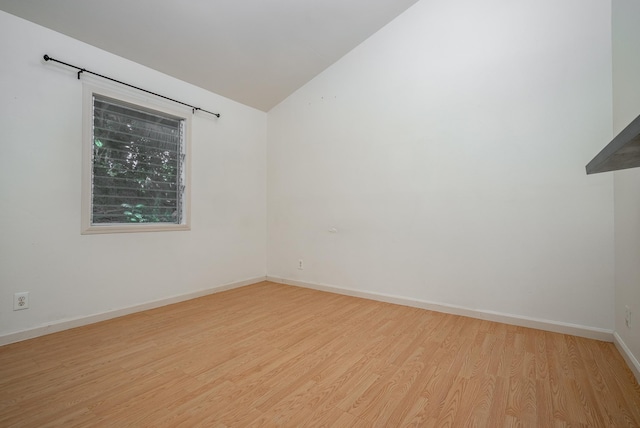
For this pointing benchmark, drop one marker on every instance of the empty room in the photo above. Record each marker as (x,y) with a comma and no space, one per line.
(319,213)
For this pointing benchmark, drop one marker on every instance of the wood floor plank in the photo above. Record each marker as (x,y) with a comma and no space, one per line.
(379,401)
(477,401)
(276,355)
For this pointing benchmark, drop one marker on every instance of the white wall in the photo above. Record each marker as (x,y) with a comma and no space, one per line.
(626,107)
(41,249)
(448,150)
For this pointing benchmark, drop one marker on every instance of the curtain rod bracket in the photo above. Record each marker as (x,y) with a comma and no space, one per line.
(83,70)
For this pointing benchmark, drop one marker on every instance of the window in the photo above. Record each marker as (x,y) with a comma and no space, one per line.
(135,165)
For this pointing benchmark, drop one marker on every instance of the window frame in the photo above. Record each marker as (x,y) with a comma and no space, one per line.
(128,97)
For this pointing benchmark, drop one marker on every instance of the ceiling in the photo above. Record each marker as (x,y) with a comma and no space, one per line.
(256,52)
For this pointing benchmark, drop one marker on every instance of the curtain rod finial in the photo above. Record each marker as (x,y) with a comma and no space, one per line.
(46,57)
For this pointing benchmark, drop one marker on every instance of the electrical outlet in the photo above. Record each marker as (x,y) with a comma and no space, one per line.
(627,316)
(21,301)
(300,264)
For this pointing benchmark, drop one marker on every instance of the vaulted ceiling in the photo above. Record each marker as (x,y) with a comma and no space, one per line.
(256,52)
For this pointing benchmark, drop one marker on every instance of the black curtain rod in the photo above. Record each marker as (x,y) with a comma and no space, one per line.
(84,70)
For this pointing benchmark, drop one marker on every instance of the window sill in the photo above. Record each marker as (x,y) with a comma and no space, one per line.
(129,228)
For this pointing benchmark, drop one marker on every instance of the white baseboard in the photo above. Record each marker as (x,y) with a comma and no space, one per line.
(557,327)
(519,320)
(85,320)
(631,360)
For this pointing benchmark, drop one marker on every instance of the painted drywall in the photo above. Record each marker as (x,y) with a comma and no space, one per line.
(443,160)
(626,107)
(69,275)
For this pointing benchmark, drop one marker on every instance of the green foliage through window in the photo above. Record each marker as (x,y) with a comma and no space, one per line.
(138,157)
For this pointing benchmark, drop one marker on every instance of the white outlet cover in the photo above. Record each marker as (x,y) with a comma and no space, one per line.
(21,301)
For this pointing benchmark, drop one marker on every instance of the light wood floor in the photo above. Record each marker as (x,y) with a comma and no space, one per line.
(275,355)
